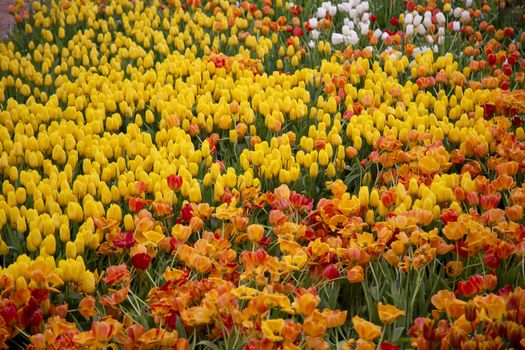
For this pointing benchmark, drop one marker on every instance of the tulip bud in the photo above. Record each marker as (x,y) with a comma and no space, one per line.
(49,244)
(364,196)
(255,232)
(87,281)
(71,250)
(374,198)
(356,274)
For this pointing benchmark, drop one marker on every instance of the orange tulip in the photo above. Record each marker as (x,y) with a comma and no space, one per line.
(455,230)
(86,307)
(255,233)
(389,313)
(366,330)
(356,274)
(442,298)
(306,304)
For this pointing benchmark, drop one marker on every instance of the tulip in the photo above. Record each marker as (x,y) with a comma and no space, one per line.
(255,232)
(389,313)
(366,330)
(356,274)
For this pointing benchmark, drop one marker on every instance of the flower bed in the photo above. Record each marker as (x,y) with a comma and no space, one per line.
(262,175)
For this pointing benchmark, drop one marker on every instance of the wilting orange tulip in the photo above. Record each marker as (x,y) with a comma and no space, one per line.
(86,307)
(116,274)
(291,331)
(315,324)
(366,330)
(389,313)
(334,318)
(156,337)
(454,268)
(197,315)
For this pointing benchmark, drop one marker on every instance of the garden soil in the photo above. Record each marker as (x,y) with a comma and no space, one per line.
(6,20)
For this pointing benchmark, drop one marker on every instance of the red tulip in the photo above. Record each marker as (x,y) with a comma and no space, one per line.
(141,261)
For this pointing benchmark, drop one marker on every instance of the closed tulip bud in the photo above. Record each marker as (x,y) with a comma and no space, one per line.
(374,198)
(20,283)
(382,210)
(194,194)
(74,212)
(350,152)
(370,217)
(196,224)
(20,195)
(49,244)
(207,180)
(356,274)
(436,212)
(367,178)
(71,250)
(413,186)
(255,232)
(34,239)
(314,170)
(79,244)
(4,248)
(64,233)
(114,212)
(330,170)
(87,281)
(129,222)
(364,196)
(21,225)
(218,190)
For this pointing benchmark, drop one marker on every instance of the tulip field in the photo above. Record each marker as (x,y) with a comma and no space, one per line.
(263,174)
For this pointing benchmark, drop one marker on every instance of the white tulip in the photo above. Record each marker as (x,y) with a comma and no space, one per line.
(440,18)
(417,20)
(409,29)
(364,28)
(337,38)
(465,16)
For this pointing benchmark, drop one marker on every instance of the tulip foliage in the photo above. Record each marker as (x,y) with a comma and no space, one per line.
(262,175)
